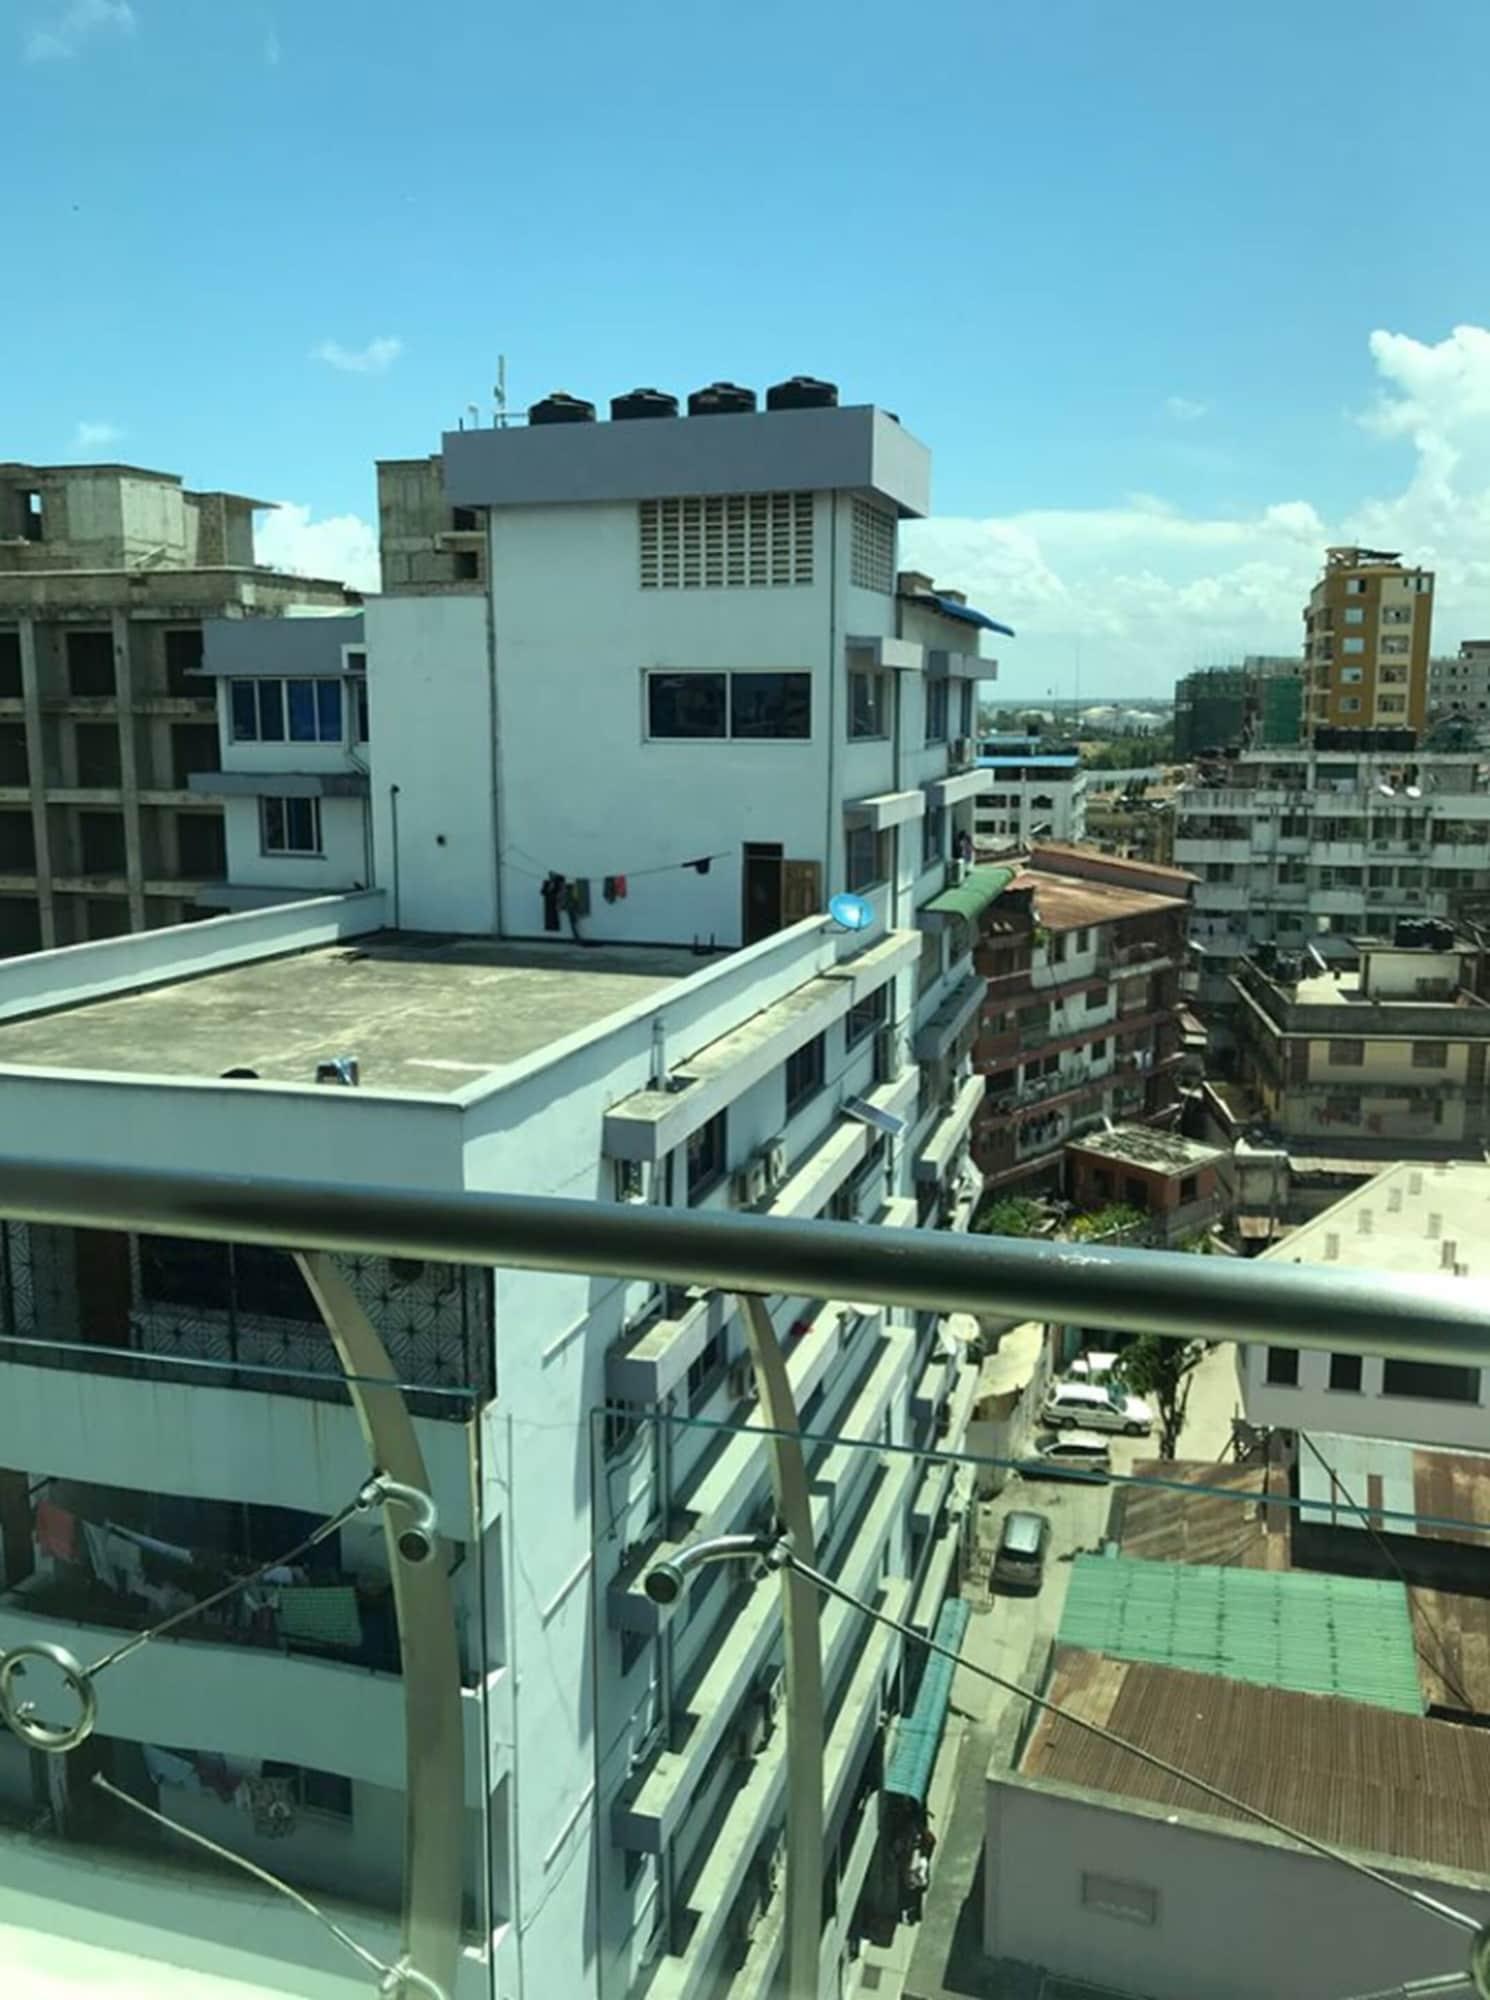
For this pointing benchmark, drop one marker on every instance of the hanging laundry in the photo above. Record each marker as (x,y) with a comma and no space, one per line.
(271,1803)
(96,1542)
(552,892)
(126,1565)
(577,897)
(56,1531)
(615,888)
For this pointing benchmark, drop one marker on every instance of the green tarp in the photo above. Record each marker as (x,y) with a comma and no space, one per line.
(918,1735)
(971,897)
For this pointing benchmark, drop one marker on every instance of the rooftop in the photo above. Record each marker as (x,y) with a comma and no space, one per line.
(1050,852)
(1346,1636)
(1424,1492)
(1362,1777)
(1413,1218)
(1142,1146)
(1072,902)
(1230,1524)
(426,1015)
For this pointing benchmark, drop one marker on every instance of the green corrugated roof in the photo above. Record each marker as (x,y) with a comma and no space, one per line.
(919,1734)
(972,896)
(1315,1634)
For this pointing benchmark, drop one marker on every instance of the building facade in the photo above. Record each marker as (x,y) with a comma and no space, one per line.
(106,575)
(1367,635)
(1080,1020)
(1179,1185)
(1460,686)
(1259,703)
(1416,1219)
(1029,793)
(612,794)
(1318,846)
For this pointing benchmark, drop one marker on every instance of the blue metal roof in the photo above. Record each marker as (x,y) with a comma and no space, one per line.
(918,1735)
(964,613)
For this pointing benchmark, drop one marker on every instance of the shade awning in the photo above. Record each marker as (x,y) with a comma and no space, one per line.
(971,897)
(964,613)
(918,1735)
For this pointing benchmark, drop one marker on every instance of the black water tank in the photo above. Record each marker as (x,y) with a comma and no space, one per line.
(802,392)
(721,399)
(643,403)
(561,409)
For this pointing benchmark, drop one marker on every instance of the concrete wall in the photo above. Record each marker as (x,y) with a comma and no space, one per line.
(1234,1917)
(436,808)
(1363,1412)
(342,865)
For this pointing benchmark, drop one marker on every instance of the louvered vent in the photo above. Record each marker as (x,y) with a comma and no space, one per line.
(872,549)
(728,541)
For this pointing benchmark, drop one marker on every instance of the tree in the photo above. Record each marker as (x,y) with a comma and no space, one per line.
(1113,1220)
(1159,1369)
(1013,1216)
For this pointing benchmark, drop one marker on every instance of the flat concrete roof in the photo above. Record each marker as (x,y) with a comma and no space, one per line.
(421,1015)
(1413,1218)
(1142,1146)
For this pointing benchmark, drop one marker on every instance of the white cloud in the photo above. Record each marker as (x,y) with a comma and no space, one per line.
(70,26)
(1149,592)
(1184,409)
(375,359)
(89,436)
(343,547)
(272,50)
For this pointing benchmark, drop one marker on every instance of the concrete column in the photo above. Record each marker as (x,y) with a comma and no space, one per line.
(129,777)
(37,771)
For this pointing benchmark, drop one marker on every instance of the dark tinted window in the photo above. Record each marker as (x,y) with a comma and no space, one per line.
(804,1074)
(770,704)
(687,705)
(1437,1381)
(1345,1371)
(1283,1367)
(706,1153)
(90,663)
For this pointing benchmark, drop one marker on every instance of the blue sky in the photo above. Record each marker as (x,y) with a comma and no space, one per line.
(1120,266)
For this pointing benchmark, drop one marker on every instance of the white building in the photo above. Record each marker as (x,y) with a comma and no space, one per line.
(611,796)
(1419,1220)
(1028,794)
(1317,846)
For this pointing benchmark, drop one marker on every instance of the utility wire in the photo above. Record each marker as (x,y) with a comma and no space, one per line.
(1445,1912)
(1442,1664)
(1438,1982)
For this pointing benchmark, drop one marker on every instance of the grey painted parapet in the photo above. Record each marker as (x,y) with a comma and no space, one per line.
(288,646)
(771,451)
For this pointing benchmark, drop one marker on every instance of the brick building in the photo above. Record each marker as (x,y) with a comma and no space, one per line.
(1080,1023)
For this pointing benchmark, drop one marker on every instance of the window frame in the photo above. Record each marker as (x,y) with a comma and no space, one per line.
(794,696)
(1288,1357)
(872,724)
(805,1073)
(285,805)
(706,1157)
(937,709)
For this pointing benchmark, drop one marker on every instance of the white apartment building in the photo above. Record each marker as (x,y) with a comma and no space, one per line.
(611,795)
(1417,1219)
(1029,794)
(1318,846)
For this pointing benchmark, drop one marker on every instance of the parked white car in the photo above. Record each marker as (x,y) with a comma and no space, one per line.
(1092,1366)
(1089,1406)
(1072,1455)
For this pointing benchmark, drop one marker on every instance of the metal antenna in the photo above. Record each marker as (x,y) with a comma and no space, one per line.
(499,393)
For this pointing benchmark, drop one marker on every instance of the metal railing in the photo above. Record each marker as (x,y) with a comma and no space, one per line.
(1361,1312)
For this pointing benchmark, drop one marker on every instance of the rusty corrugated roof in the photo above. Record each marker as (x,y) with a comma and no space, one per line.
(1400,1786)
(1161,1525)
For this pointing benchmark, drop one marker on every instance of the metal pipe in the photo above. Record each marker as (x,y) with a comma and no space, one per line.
(1429,1318)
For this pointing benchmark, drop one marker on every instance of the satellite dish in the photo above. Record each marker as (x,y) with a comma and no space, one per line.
(851,913)
(1386,791)
(1414,791)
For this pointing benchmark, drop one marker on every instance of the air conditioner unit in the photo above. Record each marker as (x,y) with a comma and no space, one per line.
(960,752)
(957,870)
(742,1382)
(774,1156)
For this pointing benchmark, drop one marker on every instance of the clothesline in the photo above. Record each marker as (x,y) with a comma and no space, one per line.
(698,862)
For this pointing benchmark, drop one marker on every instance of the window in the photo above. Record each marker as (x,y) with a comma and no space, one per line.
(868,704)
(354,658)
(90,664)
(689,705)
(872,548)
(1133,1901)
(1350,704)
(772,704)
(1283,1367)
(1098,1049)
(933,835)
(290,826)
(706,1155)
(1345,1371)
(1083,940)
(1135,1192)
(463,520)
(1189,1187)
(1349,675)
(357,688)
(866,857)
(965,710)
(96,745)
(1355,614)
(1429,1055)
(1096,997)
(183,658)
(465,566)
(1432,1381)
(865,1016)
(1347,1055)
(725,541)
(804,1074)
(201,849)
(17,844)
(936,711)
(259,709)
(1355,586)
(10,666)
(101,842)
(704,1371)
(194,747)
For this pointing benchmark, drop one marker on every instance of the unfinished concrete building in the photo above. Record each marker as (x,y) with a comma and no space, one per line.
(106,573)
(424,543)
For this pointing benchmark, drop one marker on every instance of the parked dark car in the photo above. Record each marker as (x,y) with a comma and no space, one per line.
(1019,1562)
